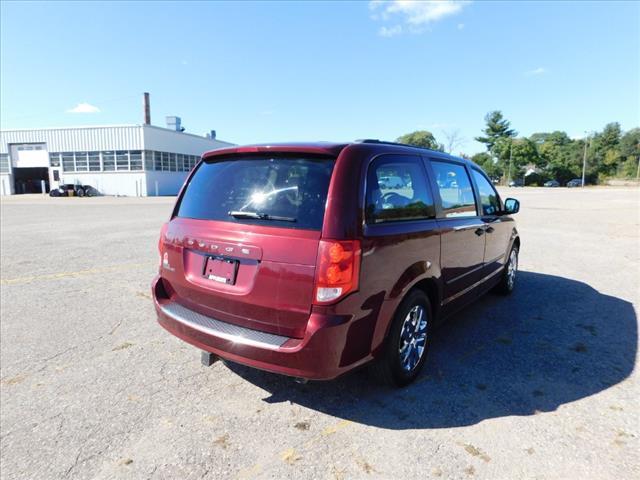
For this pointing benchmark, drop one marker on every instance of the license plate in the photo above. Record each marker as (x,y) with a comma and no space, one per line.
(221,270)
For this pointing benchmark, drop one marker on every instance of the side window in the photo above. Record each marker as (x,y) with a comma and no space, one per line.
(488,195)
(397,190)
(455,189)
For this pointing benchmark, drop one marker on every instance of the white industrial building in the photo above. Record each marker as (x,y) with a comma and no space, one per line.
(132,160)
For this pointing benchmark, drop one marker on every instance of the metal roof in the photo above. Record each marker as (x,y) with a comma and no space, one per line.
(110,137)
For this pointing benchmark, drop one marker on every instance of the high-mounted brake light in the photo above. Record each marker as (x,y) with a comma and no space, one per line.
(337,270)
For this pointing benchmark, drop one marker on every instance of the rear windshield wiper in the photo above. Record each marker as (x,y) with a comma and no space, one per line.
(260,216)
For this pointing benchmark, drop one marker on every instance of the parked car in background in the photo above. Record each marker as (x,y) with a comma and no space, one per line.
(70,190)
(516,183)
(552,183)
(274,258)
(576,182)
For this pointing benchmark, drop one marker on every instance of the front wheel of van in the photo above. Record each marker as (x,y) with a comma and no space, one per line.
(508,280)
(407,345)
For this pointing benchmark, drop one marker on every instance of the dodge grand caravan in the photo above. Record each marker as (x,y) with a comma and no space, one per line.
(297,258)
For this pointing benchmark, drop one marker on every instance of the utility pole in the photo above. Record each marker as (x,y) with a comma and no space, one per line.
(510,158)
(584,158)
(638,172)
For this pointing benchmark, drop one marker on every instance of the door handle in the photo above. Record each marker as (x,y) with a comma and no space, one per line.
(479,231)
(460,228)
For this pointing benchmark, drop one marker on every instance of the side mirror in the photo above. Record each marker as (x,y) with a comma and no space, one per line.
(511,206)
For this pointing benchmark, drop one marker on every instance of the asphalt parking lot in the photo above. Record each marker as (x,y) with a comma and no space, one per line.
(542,384)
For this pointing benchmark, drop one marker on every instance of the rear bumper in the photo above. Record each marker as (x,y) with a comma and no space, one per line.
(318,356)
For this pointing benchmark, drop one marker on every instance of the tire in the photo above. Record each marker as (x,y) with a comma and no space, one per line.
(80,192)
(508,277)
(393,368)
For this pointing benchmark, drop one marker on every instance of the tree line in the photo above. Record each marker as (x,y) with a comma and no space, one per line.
(609,153)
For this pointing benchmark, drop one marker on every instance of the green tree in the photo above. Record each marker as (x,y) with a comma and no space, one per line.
(610,136)
(630,143)
(630,153)
(497,128)
(489,165)
(515,154)
(605,153)
(421,138)
(629,167)
(560,157)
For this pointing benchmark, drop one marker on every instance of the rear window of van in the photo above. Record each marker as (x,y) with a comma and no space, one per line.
(281,191)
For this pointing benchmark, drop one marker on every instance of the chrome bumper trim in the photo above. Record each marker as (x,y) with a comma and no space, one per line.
(218,328)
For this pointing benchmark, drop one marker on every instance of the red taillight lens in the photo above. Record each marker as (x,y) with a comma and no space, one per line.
(337,270)
(163,232)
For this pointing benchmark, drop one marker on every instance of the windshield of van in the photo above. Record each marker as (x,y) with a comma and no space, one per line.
(275,191)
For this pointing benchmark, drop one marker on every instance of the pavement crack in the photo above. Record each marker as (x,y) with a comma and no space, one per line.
(116,326)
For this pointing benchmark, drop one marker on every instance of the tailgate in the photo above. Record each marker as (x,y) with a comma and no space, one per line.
(243,244)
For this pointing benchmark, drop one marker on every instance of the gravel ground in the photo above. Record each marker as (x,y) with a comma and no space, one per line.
(538,385)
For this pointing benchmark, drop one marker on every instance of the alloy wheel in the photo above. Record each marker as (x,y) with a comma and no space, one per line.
(413,338)
(512,268)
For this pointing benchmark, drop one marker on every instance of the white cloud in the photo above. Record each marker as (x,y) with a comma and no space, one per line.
(417,15)
(461,26)
(536,71)
(84,108)
(390,31)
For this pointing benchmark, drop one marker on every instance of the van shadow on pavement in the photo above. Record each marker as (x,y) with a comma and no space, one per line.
(552,342)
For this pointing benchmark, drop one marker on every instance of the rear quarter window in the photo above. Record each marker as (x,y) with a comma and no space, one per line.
(273,187)
(397,190)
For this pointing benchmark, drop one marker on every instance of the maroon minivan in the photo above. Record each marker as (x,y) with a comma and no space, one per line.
(310,260)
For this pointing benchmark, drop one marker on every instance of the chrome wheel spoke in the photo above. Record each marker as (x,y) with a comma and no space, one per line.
(413,338)
(512,268)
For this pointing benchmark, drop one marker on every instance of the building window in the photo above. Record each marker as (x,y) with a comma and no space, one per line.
(94,161)
(4,163)
(108,161)
(172,162)
(122,160)
(180,162)
(67,162)
(81,162)
(135,157)
(148,160)
(165,161)
(54,159)
(157,161)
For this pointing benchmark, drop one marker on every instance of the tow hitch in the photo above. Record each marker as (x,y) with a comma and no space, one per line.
(207,358)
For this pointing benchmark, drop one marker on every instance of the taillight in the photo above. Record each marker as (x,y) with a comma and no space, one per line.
(163,232)
(337,270)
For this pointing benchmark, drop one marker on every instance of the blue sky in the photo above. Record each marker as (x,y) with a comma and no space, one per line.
(278,71)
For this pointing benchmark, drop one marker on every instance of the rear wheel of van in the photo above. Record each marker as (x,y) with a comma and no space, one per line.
(508,279)
(406,348)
